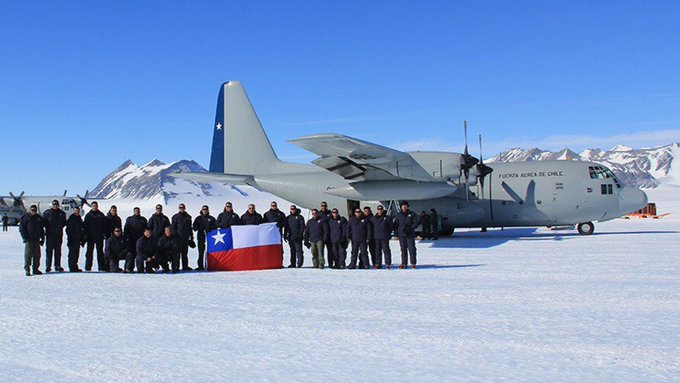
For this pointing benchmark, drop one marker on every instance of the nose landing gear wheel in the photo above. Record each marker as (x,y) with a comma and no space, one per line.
(585,228)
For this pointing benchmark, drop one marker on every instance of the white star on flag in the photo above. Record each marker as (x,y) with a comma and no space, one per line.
(219,237)
(219,126)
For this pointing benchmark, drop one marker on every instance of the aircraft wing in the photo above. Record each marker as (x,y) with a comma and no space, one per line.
(358,160)
(208,177)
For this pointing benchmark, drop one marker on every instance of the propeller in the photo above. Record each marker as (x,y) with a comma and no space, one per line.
(65,191)
(484,170)
(18,201)
(83,200)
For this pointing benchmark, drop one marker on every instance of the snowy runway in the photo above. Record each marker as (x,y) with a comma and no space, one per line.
(519,304)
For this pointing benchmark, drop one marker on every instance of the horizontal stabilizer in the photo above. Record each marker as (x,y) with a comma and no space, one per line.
(208,177)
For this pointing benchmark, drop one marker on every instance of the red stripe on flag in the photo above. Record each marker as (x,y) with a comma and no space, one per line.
(250,258)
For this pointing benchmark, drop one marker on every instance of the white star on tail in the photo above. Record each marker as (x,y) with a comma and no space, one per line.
(219,237)
(219,126)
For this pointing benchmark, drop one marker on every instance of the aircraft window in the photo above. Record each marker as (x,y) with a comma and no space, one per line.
(603,189)
(64,202)
(611,175)
(592,173)
(609,189)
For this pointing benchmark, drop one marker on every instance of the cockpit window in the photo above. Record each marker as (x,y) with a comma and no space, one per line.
(601,172)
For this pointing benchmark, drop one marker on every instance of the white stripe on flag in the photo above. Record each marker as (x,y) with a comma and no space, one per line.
(252,235)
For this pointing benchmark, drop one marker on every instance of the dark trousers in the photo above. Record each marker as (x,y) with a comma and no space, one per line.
(114,264)
(297,257)
(168,261)
(360,249)
(332,257)
(408,247)
(427,232)
(340,252)
(32,255)
(373,253)
(101,262)
(184,252)
(130,260)
(4,227)
(53,251)
(435,231)
(382,246)
(73,255)
(201,253)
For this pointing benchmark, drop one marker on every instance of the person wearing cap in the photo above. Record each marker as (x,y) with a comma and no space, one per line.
(425,225)
(325,213)
(316,235)
(434,221)
(184,234)
(74,238)
(113,221)
(204,223)
(368,214)
(251,216)
(94,227)
(133,230)
(158,222)
(115,250)
(32,230)
(167,251)
(337,227)
(293,233)
(228,217)
(357,232)
(55,221)
(382,232)
(146,253)
(405,224)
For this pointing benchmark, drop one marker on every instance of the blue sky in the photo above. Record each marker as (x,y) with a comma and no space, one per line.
(85,86)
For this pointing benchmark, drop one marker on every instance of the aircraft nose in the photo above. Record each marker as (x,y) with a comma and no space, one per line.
(632,200)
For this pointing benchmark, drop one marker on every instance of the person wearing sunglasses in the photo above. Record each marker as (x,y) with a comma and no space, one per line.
(184,234)
(32,230)
(228,217)
(94,226)
(116,250)
(293,233)
(55,221)
(133,231)
(204,223)
(158,222)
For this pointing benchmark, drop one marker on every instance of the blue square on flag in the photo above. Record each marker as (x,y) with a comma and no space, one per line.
(220,240)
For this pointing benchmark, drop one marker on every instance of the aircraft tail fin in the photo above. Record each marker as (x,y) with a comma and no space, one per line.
(240,145)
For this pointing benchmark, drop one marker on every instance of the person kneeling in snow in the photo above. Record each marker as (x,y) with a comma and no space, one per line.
(146,253)
(116,250)
(167,250)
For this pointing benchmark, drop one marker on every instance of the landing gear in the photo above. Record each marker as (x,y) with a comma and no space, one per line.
(585,228)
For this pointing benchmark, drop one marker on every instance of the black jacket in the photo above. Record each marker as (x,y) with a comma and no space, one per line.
(112,222)
(146,247)
(94,226)
(5,219)
(225,220)
(134,230)
(32,227)
(276,216)
(358,229)
(251,219)
(181,226)
(167,247)
(116,248)
(434,220)
(316,230)
(425,220)
(405,224)
(74,230)
(382,227)
(157,223)
(55,220)
(295,227)
(338,229)
(204,224)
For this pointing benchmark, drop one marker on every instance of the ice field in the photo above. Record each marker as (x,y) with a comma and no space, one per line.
(513,305)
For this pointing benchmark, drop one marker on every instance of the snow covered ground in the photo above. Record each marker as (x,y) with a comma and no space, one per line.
(512,305)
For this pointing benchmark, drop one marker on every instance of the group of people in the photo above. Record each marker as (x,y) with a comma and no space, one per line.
(162,243)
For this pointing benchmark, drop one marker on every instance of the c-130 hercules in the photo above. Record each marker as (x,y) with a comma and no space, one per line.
(466,192)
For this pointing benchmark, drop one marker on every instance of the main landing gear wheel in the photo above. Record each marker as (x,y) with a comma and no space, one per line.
(585,228)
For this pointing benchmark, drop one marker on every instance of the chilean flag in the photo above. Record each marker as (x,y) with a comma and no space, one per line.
(247,247)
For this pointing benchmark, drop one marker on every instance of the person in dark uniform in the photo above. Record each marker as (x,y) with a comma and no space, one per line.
(167,251)
(357,232)
(293,233)
(32,230)
(158,222)
(113,221)
(337,227)
(183,234)
(325,213)
(434,221)
(5,222)
(133,230)
(382,232)
(204,223)
(405,224)
(276,216)
(146,253)
(116,250)
(316,234)
(251,216)
(55,221)
(368,214)
(228,218)
(74,239)
(94,227)
(425,224)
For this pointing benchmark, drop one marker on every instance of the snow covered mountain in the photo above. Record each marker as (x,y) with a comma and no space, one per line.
(643,168)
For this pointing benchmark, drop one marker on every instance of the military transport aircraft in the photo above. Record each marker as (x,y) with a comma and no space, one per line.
(16,206)
(350,172)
